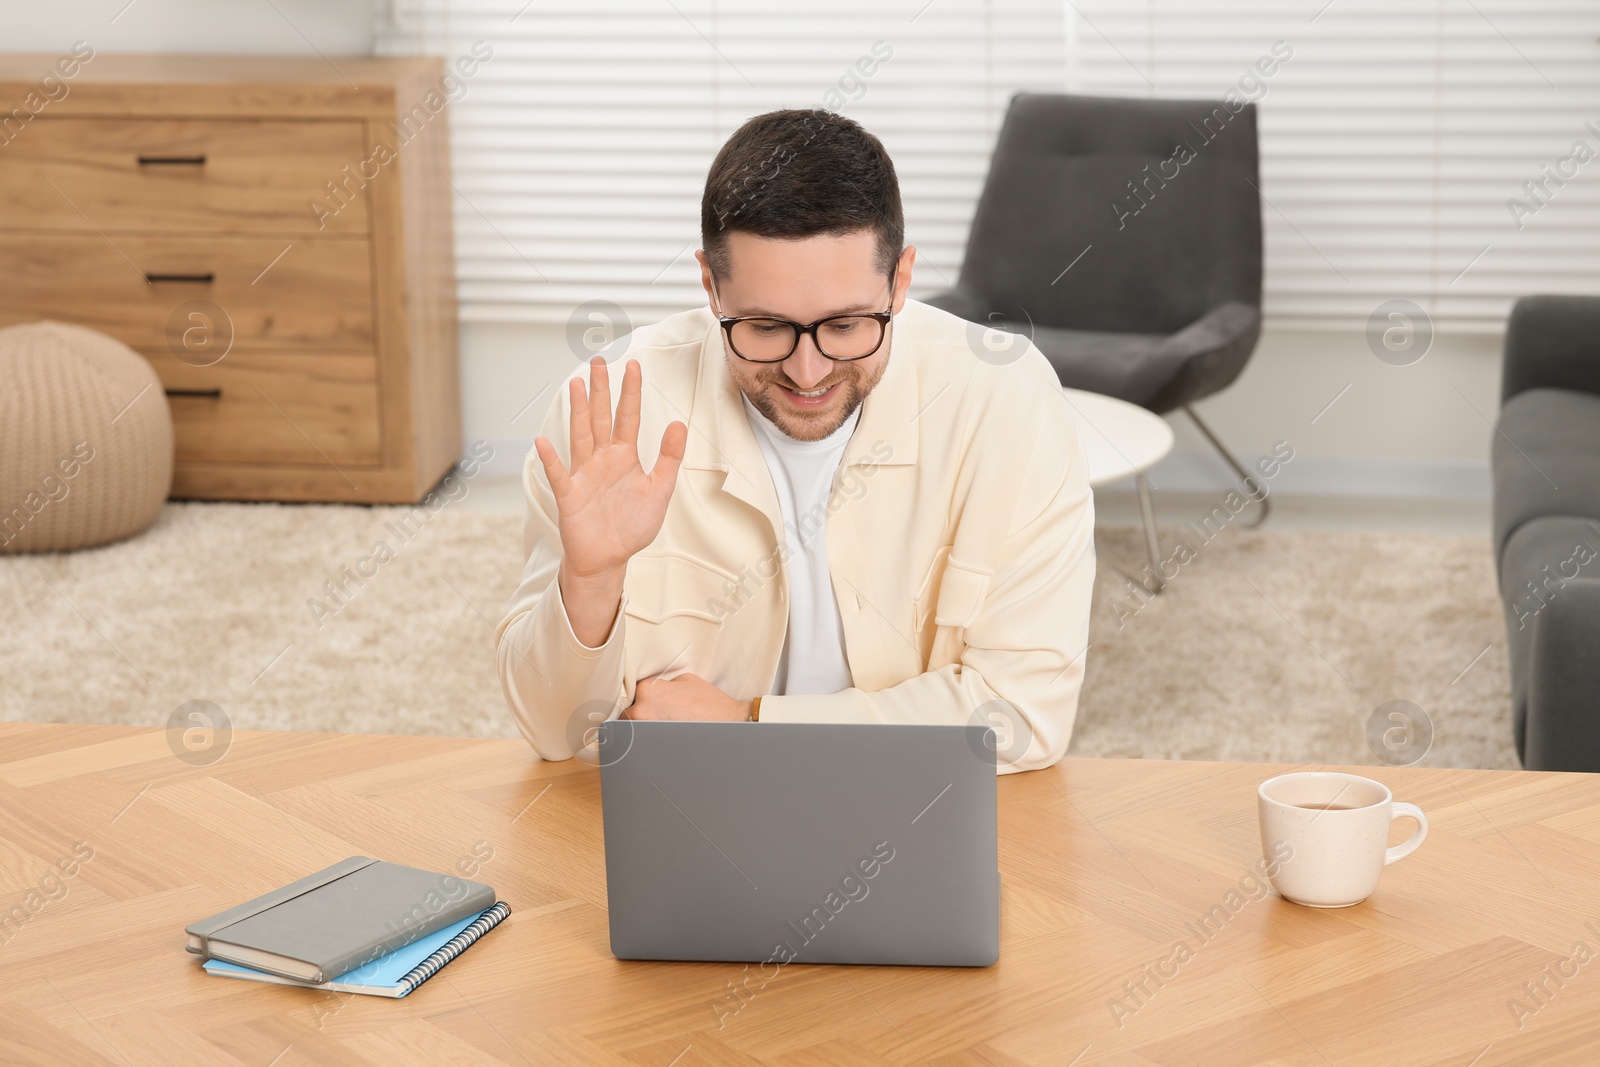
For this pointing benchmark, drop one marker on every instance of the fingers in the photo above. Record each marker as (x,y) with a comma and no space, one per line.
(642,706)
(627,427)
(560,482)
(591,425)
(664,475)
(578,424)
(600,400)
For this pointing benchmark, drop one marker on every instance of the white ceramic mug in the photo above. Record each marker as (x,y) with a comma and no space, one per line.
(1330,857)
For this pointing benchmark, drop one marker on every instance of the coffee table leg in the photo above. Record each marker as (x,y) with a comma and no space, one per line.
(1150,540)
(1257,492)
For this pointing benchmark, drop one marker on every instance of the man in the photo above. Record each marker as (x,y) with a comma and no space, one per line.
(861,509)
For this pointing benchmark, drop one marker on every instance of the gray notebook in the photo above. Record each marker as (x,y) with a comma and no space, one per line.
(338,919)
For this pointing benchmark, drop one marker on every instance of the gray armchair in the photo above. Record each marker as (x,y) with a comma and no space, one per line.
(1124,237)
(1546,463)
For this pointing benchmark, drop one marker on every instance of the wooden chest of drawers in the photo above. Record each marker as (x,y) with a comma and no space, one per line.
(272,233)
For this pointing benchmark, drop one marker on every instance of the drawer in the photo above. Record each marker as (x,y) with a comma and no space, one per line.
(166,175)
(143,290)
(274,408)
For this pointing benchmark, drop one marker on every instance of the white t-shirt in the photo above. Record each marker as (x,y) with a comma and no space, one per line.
(813,659)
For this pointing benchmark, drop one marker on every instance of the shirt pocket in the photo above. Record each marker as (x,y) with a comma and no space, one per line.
(662,587)
(948,601)
(678,608)
(952,592)
(928,591)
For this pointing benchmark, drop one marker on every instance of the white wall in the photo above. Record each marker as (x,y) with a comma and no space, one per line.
(1420,430)
(1397,431)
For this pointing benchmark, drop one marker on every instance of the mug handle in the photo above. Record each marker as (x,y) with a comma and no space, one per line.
(1409,845)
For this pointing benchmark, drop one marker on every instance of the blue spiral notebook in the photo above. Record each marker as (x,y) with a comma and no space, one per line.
(396,974)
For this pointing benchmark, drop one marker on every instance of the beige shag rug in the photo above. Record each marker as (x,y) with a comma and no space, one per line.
(1272,645)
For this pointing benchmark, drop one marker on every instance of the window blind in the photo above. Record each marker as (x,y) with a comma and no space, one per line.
(1439,151)
(1407,146)
(580,149)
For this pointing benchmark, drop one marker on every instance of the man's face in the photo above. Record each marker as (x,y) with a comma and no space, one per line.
(804,280)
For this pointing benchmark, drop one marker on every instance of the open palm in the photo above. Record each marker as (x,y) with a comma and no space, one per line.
(608,507)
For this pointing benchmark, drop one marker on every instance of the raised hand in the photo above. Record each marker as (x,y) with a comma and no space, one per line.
(608,507)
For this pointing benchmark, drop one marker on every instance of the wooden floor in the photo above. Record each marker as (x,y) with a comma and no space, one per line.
(110,843)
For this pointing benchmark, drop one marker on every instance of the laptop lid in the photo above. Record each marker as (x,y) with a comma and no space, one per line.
(801,843)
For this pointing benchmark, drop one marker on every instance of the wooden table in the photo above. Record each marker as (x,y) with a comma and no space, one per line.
(1107,864)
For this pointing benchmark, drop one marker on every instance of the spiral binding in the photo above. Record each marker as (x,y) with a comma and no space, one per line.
(454,947)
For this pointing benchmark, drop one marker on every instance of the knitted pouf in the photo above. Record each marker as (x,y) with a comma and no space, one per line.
(85,439)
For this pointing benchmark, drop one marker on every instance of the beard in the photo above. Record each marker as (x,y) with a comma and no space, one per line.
(854,385)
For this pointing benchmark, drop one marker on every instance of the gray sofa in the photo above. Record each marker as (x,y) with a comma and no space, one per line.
(1546,464)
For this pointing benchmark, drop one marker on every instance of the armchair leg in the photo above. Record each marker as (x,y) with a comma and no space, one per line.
(1251,483)
(1151,542)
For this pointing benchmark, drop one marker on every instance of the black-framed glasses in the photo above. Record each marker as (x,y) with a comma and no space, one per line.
(841,338)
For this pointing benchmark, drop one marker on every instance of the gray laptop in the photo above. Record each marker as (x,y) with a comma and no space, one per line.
(801,843)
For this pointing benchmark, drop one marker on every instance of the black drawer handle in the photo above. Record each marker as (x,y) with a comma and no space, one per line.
(217,392)
(172,161)
(197,279)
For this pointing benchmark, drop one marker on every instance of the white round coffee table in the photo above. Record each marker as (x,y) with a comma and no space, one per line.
(1121,439)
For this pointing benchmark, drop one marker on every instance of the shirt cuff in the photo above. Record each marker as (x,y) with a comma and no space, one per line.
(849,706)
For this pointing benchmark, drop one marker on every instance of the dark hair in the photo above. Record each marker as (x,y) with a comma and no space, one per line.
(800,173)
